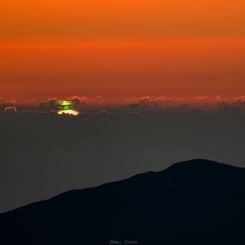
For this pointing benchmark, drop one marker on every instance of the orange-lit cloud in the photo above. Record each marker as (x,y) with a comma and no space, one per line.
(202,97)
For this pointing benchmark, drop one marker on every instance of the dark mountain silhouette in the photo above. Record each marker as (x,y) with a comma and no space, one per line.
(194,202)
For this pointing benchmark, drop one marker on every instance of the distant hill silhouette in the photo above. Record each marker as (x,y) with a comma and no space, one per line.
(194,202)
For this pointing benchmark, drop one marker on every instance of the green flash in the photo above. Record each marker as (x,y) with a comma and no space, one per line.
(65,107)
(66,103)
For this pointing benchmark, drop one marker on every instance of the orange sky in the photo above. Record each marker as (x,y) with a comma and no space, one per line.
(123,47)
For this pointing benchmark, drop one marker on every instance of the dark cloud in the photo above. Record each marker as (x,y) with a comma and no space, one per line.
(237,105)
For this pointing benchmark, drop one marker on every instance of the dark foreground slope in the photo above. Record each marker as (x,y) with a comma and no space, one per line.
(195,202)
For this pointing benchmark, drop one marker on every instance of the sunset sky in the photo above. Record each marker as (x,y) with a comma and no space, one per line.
(121,48)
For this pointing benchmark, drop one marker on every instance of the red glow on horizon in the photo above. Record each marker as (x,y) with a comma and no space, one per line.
(184,66)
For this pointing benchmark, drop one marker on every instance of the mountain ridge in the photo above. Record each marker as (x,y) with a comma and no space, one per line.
(187,201)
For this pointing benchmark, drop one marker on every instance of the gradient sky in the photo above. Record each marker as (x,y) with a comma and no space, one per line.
(122,48)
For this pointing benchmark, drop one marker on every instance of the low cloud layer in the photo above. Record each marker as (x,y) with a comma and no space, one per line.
(134,104)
